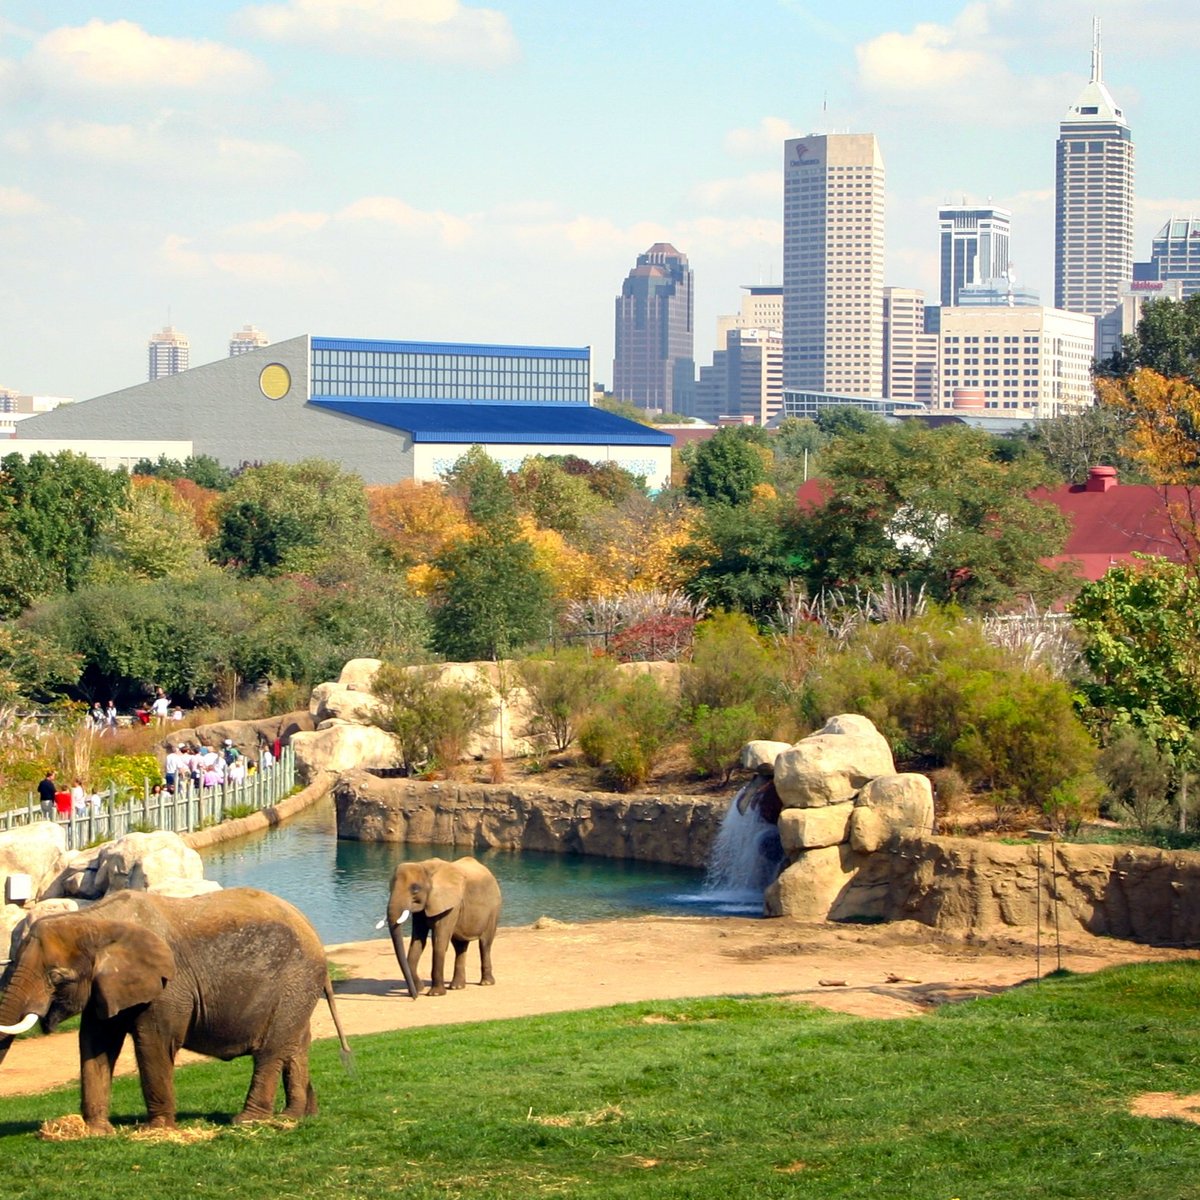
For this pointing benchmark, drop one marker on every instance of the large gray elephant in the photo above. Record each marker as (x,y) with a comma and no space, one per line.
(459,902)
(226,974)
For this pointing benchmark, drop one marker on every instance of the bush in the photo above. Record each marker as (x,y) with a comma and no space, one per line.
(717,738)
(125,772)
(1138,776)
(730,665)
(597,738)
(562,690)
(627,736)
(427,717)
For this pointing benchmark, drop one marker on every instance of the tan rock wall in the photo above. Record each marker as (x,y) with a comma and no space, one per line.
(667,829)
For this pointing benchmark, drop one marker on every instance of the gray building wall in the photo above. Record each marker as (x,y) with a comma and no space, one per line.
(221,409)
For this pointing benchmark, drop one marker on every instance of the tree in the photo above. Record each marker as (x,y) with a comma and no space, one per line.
(742,559)
(153,534)
(1075,442)
(1167,341)
(479,483)
(201,469)
(492,598)
(307,517)
(563,690)
(555,498)
(416,521)
(1164,439)
(52,511)
(726,468)
(938,508)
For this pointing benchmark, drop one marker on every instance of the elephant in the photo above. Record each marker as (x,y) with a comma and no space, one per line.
(229,973)
(459,902)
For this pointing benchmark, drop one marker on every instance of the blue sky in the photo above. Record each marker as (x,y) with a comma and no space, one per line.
(442,170)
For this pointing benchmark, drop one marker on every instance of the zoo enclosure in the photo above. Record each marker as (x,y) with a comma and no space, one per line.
(189,808)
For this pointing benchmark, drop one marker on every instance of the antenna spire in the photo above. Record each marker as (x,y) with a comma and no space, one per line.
(1097,63)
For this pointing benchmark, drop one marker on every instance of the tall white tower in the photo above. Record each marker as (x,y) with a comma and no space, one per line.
(833,264)
(170,352)
(1093,217)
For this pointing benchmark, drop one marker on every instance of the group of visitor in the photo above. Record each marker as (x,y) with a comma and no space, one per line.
(62,804)
(207,767)
(160,711)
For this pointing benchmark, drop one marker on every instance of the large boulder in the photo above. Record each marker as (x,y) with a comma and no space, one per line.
(337,702)
(38,850)
(359,673)
(146,862)
(759,756)
(830,766)
(891,806)
(341,747)
(810,887)
(814,828)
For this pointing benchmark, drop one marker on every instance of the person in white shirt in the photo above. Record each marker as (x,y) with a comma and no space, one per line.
(175,767)
(161,707)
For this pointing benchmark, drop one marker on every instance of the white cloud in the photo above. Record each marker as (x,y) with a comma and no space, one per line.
(179,256)
(122,56)
(767,138)
(16,202)
(435,30)
(756,190)
(393,212)
(170,143)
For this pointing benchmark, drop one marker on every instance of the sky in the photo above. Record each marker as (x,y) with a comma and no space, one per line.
(449,171)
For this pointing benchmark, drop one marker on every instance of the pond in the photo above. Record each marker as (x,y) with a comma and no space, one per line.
(342,886)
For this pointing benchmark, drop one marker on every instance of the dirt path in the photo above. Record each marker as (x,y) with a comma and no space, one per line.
(896,970)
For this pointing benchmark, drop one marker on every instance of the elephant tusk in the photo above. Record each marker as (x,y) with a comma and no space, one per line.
(27,1022)
(399,920)
(381,924)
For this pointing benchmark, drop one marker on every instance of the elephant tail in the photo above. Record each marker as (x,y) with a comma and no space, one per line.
(347,1053)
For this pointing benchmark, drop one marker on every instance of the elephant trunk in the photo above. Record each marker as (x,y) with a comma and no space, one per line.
(19,1010)
(402,957)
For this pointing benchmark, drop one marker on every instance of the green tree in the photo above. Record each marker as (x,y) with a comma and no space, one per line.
(53,509)
(1075,442)
(201,469)
(480,483)
(938,508)
(1140,627)
(493,598)
(308,517)
(730,665)
(563,690)
(556,499)
(742,559)
(726,468)
(1167,341)
(153,534)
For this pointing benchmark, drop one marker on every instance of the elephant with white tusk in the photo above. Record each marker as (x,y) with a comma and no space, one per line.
(226,974)
(459,902)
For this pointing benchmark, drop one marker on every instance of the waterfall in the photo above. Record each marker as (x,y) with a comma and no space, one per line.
(746,853)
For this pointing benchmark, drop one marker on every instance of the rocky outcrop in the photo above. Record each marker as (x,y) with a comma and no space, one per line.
(247,736)
(343,747)
(665,829)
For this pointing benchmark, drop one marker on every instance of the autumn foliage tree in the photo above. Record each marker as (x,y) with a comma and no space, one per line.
(1164,439)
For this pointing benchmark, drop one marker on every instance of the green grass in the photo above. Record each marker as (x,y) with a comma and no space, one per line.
(1021,1095)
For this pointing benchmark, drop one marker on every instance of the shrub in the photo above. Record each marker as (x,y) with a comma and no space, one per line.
(562,690)
(427,717)
(730,665)
(597,738)
(1138,776)
(125,771)
(627,766)
(626,738)
(717,736)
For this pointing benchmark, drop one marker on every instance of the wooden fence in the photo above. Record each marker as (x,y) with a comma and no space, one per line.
(121,811)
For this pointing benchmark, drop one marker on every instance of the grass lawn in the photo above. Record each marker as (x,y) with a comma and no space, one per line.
(1022,1095)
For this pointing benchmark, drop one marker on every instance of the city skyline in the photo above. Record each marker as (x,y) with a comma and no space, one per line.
(283,163)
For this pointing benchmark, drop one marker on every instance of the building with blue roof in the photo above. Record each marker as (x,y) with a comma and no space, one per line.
(388,410)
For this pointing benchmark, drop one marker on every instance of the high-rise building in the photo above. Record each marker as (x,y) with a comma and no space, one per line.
(247,338)
(1093,218)
(654,366)
(910,354)
(833,265)
(169,352)
(974,246)
(1175,254)
(1023,361)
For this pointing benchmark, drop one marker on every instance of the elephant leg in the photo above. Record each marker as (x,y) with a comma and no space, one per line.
(300,1099)
(416,947)
(441,943)
(156,1068)
(485,958)
(460,945)
(98,1054)
(264,1086)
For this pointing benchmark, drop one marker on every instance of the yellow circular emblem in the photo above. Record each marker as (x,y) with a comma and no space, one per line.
(275,382)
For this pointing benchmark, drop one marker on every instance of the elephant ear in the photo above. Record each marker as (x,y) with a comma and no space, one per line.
(133,968)
(445,889)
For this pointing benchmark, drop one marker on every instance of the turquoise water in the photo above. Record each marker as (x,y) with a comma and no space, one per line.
(342,886)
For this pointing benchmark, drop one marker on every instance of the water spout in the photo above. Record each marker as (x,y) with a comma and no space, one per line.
(747,853)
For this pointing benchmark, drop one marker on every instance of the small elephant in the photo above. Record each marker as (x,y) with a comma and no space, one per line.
(460,902)
(230,973)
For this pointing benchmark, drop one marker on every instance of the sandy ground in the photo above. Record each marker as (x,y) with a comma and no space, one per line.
(897,970)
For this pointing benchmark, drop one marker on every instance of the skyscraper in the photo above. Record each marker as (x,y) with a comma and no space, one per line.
(974,244)
(1093,218)
(833,264)
(654,365)
(169,352)
(247,338)
(1175,254)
